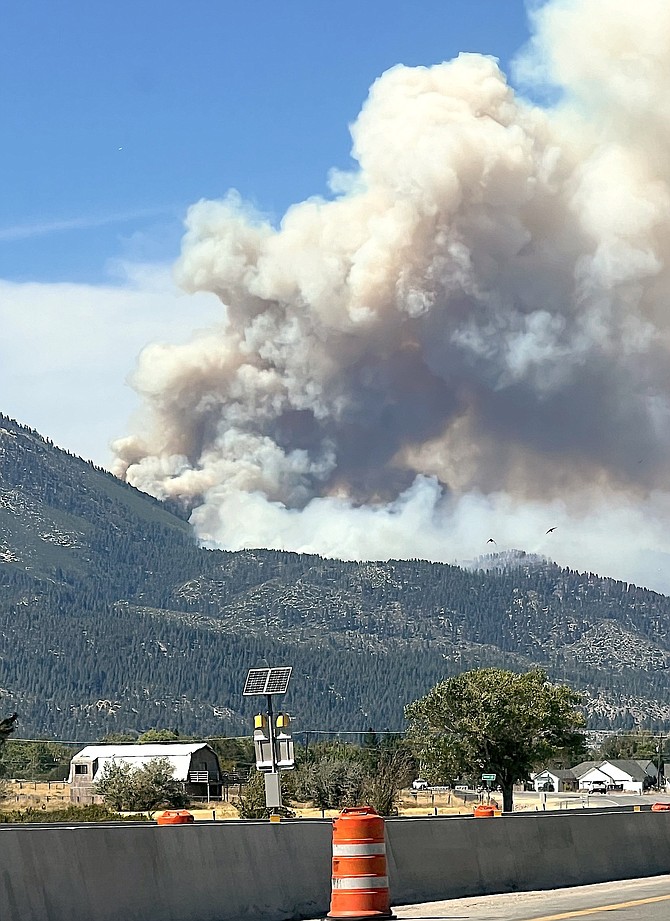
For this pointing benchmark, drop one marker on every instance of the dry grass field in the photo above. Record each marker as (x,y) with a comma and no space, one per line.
(421,804)
(25,794)
(47,796)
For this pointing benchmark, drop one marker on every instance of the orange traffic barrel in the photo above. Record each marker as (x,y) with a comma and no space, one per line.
(175,817)
(484,812)
(360,887)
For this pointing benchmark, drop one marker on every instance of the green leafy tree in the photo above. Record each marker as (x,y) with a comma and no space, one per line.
(7,727)
(331,783)
(574,752)
(155,786)
(329,748)
(111,737)
(234,754)
(631,745)
(158,735)
(116,784)
(36,760)
(379,747)
(493,721)
(141,789)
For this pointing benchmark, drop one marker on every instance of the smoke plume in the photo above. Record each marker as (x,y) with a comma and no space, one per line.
(469,340)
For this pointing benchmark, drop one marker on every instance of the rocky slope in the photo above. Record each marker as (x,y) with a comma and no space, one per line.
(111,617)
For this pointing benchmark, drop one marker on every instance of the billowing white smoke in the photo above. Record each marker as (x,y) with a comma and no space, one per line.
(471,340)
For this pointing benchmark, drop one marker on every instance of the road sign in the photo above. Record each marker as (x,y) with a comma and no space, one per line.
(489,776)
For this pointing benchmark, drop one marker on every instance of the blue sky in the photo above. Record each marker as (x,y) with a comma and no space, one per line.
(117,115)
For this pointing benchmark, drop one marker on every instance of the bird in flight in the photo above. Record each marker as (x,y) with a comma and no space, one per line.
(551,529)
(490,541)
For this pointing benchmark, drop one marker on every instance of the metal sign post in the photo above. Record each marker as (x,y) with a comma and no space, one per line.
(488,778)
(274,751)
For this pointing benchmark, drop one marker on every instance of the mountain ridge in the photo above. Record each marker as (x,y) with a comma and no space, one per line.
(112,617)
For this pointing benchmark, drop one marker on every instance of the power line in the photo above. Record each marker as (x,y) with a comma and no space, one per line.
(354,732)
(129,742)
(333,732)
(49,741)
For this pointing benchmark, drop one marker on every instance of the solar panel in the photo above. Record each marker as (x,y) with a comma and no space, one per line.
(255,683)
(278,680)
(266,681)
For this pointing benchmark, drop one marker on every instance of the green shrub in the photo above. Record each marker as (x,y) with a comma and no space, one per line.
(92,813)
(251,802)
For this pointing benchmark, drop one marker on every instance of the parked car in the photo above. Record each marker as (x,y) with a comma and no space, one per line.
(598,786)
(420,784)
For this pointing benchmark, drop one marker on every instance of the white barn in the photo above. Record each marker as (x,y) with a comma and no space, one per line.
(195,764)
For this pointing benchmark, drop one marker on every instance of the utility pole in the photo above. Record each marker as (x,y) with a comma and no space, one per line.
(659,749)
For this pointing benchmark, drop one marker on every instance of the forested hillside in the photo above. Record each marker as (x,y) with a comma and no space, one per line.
(112,618)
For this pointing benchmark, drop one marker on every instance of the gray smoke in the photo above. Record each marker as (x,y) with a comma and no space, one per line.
(471,339)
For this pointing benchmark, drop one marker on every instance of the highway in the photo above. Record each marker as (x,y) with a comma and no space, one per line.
(628,900)
(529,801)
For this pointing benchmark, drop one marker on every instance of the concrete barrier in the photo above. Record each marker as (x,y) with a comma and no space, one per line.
(273,872)
(202,872)
(522,852)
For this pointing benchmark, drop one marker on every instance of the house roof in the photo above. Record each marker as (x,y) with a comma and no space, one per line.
(560,773)
(634,769)
(179,755)
(584,767)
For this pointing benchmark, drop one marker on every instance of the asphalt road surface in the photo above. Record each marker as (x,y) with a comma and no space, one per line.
(625,900)
(526,801)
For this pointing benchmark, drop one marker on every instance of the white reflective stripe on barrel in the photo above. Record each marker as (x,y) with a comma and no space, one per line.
(361,882)
(359,850)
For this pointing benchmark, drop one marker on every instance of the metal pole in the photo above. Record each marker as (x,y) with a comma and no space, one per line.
(273,752)
(271,729)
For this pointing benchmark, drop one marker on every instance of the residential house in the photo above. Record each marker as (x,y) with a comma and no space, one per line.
(555,780)
(626,775)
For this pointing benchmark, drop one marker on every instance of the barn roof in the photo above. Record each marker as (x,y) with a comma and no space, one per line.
(179,755)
